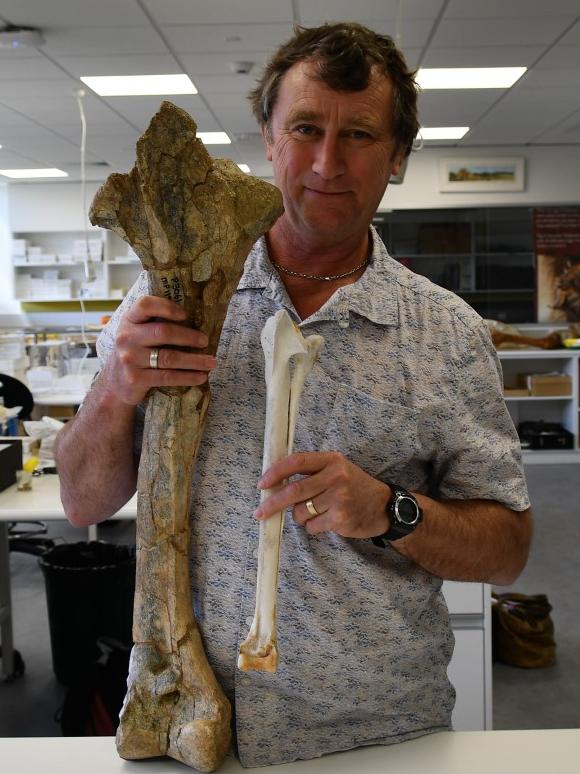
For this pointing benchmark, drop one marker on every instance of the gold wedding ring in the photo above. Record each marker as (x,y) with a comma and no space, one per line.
(311,509)
(154,358)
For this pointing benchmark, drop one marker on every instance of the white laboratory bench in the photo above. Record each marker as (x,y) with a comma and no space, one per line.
(470,670)
(476,752)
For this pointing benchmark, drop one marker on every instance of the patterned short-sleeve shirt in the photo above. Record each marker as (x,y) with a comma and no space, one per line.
(408,386)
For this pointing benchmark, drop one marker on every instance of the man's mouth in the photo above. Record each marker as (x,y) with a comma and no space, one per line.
(325,193)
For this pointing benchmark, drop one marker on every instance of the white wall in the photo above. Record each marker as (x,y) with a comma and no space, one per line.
(49,206)
(7,304)
(551,178)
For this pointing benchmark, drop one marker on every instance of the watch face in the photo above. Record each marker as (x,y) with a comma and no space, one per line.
(406,510)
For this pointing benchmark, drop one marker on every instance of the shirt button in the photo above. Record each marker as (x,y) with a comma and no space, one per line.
(249,620)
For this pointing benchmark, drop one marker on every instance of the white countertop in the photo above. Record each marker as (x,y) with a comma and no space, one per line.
(43,502)
(461,752)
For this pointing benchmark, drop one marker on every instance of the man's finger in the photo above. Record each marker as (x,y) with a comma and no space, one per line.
(148,307)
(291,494)
(175,359)
(301,463)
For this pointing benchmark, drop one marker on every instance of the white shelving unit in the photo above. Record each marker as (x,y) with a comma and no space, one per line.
(560,409)
(64,279)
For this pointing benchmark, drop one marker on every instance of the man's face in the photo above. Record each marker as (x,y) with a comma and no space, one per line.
(332,154)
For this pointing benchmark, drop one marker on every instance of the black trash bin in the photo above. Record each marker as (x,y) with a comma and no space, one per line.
(89,591)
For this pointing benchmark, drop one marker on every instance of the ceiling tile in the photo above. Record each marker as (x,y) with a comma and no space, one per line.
(310,11)
(560,56)
(99,41)
(567,131)
(515,127)
(31,88)
(505,32)
(229,39)
(59,109)
(197,65)
(71,13)
(455,108)
(219,11)
(233,111)
(9,160)
(140,110)
(572,38)
(235,86)
(473,56)
(128,64)
(414,33)
(21,68)
(516,9)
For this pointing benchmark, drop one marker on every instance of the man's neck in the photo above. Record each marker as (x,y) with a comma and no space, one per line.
(315,255)
(314,258)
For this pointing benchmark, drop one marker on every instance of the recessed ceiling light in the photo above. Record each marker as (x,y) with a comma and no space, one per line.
(214,138)
(30,173)
(139,85)
(469,77)
(442,132)
(245,168)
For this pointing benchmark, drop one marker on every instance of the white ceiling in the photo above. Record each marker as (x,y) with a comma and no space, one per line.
(39,118)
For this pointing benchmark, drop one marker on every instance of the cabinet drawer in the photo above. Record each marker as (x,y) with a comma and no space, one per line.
(463,598)
(467,673)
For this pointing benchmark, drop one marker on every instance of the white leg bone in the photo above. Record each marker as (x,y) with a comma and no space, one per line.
(283,346)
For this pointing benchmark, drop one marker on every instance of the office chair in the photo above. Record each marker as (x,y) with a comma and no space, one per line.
(16,393)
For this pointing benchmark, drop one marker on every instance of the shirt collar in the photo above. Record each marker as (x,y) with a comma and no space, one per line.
(373,296)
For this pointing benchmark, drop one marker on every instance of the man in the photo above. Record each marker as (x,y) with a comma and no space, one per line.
(408,467)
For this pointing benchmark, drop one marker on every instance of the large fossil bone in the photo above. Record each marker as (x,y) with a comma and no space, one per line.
(289,357)
(192,220)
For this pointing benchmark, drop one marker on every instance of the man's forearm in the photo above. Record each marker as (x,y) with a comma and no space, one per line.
(471,540)
(95,457)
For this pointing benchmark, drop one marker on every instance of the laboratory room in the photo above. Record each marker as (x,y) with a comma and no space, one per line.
(289,386)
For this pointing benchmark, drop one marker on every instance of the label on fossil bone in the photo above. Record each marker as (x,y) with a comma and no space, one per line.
(167,283)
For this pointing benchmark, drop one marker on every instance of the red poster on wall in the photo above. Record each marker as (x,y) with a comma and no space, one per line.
(557,249)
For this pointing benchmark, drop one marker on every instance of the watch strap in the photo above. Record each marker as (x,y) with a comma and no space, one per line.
(396,530)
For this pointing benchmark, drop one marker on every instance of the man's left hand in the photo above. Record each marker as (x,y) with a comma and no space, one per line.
(348,501)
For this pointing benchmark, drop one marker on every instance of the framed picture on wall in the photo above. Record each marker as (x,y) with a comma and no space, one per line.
(481,175)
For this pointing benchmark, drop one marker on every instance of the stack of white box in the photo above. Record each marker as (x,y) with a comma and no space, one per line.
(13,358)
(51,287)
(87,248)
(19,248)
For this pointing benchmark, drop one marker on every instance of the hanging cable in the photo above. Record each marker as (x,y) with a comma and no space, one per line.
(90,274)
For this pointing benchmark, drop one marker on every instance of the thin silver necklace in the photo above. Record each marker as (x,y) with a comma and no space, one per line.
(323,278)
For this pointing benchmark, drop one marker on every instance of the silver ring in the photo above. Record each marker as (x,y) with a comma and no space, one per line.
(154,358)
(311,509)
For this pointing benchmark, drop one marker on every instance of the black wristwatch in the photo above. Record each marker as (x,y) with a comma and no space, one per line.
(404,514)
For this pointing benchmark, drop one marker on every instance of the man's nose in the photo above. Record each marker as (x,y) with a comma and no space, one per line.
(328,159)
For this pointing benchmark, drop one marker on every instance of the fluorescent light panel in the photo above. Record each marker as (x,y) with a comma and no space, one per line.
(139,85)
(20,174)
(214,138)
(245,168)
(442,132)
(469,77)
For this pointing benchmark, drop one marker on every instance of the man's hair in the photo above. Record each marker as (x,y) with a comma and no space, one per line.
(344,55)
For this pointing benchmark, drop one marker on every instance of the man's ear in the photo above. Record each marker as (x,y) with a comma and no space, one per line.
(267,138)
(396,162)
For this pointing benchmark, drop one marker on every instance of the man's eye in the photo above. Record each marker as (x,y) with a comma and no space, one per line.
(305,129)
(360,134)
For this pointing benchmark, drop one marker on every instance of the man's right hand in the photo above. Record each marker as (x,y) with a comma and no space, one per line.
(155,323)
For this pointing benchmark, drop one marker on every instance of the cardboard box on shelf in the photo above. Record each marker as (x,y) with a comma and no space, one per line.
(516,392)
(547,385)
